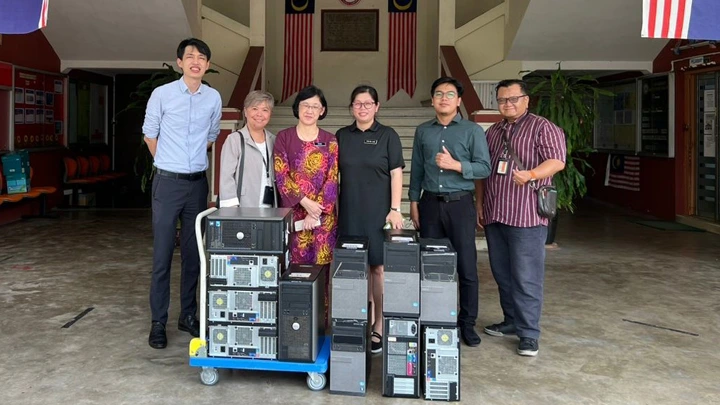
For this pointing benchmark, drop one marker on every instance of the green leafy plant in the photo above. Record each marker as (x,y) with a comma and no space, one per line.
(569,102)
(143,165)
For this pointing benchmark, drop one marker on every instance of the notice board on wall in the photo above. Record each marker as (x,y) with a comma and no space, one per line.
(656,132)
(39,109)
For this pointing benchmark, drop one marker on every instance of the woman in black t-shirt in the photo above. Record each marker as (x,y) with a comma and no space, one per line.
(371,164)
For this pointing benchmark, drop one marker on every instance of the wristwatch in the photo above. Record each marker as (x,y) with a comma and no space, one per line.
(395,209)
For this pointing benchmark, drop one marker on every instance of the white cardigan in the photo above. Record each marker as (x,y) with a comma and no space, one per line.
(253,173)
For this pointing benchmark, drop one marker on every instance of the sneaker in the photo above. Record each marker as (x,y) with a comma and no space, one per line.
(376,347)
(528,347)
(500,329)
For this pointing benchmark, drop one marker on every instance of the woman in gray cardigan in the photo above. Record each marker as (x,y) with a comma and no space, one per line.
(256,176)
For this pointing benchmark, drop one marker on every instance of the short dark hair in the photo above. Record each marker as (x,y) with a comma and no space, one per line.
(511,82)
(447,80)
(201,46)
(306,93)
(364,89)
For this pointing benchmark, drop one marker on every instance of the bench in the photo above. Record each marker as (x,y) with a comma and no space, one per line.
(35,192)
(87,172)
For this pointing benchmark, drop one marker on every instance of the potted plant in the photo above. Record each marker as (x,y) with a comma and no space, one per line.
(143,166)
(569,102)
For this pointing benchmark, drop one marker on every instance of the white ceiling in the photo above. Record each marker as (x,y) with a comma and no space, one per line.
(583,30)
(115,30)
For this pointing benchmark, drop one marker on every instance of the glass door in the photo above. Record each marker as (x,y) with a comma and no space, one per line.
(707,147)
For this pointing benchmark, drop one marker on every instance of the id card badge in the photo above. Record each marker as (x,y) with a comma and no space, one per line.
(502,167)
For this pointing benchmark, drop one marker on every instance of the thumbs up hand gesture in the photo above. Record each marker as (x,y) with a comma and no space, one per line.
(445,161)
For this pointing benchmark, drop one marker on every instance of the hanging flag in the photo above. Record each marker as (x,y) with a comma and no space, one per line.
(623,172)
(682,19)
(297,72)
(22,16)
(403,41)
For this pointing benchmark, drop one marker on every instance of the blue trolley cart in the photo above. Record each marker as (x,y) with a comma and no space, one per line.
(209,375)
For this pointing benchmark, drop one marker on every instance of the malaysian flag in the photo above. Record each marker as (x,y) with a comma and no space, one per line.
(22,16)
(682,19)
(623,172)
(403,41)
(297,72)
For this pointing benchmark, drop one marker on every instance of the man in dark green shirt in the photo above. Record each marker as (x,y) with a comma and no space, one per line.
(449,154)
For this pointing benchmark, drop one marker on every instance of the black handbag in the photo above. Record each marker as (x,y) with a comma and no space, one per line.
(546,195)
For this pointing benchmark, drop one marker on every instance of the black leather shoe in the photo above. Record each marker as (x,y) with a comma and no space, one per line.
(190,325)
(157,338)
(469,336)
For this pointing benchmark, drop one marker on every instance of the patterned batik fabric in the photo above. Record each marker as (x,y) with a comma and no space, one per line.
(308,169)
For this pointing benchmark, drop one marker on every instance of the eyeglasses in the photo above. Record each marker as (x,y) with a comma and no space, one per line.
(367,105)
(450,94)
(311,107)
(512,100)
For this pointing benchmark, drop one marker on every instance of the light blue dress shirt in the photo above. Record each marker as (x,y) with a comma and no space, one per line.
(184,123)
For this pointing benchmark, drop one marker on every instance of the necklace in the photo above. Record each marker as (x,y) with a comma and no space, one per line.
(308,137)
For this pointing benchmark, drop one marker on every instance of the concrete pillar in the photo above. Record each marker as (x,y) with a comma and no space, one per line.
(257,23)
(446,22)
(446,27)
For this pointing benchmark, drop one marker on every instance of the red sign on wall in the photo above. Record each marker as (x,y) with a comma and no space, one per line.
(39,109)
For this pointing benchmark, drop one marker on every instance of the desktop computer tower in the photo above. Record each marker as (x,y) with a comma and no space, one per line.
(350,357)
(441,363)
(246,270)
(349,292)
(438,285)
(242,341)
(243,229)
(349,272)
(401,254)
(401,358)
(301,317)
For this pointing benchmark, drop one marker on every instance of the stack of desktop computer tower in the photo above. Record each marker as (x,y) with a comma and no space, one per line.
(401,313)
(420,337)
(248,249)
(350,317)
(438,317)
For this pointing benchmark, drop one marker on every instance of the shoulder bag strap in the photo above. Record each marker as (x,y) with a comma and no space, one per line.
(513,155)
(242,166)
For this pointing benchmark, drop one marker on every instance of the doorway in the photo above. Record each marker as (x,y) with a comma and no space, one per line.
(706,138)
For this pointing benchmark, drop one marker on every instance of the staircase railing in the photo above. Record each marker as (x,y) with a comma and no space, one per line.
(250,77)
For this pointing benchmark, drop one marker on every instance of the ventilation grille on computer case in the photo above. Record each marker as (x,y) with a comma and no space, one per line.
(268,274)
(446,338)
(219,336)
(218,269)
(230,230)
(437,391)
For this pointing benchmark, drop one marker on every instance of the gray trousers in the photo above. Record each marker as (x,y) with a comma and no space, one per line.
(517,261)
(173,199)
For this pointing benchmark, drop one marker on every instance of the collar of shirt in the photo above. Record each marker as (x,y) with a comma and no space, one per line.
(184,88)
(374,127)
(508,125)
(456,118)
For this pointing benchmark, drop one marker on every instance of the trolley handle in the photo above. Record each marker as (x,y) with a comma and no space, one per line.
(203,269)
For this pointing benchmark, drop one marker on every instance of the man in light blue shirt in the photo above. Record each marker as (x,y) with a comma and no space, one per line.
(182,120)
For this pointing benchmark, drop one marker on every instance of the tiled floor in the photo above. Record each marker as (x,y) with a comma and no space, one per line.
(606,281)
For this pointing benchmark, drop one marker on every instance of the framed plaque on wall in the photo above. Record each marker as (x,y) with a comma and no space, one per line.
(349,30)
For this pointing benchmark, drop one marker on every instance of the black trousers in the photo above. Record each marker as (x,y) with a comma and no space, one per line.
(173,199)
(456,221)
